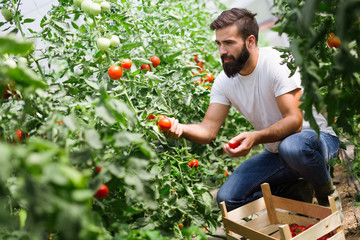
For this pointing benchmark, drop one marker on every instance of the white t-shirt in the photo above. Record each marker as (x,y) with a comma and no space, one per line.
(254,95)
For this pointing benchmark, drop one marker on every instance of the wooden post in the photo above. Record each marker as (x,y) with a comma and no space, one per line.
(285,232)
(265,187)
(224,214)
(334,209)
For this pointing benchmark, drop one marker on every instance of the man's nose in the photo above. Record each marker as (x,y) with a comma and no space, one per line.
(222,50)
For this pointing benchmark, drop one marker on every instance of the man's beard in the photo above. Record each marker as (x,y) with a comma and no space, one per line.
(234,67)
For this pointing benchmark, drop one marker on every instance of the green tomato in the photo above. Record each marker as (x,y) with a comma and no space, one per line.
(95,9)
(7,14)
(90,22)
(114,41)
(105,6)
(22,60)
(103,43)
(78,2)
(85,5)
(10,63)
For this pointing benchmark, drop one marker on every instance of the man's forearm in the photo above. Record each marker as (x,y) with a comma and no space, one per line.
(198,133)
(279,130)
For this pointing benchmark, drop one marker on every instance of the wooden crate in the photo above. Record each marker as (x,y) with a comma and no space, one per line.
(270,216)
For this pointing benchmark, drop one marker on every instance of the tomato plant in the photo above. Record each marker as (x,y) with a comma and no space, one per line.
(115,72)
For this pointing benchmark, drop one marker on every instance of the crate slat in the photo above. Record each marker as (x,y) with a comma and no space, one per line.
(246,210)
(339,236)
(287,218)
(308,209)
(245,231)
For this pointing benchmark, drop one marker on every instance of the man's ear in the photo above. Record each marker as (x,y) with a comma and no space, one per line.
(251,41)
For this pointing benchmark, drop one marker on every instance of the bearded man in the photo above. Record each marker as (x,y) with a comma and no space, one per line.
(256,83)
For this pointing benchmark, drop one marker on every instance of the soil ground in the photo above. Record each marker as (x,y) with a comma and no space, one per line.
(347,193)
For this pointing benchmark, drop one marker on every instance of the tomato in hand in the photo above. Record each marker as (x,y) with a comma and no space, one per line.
(234,145)
(102,192)
(115,72)
(145,67)
(194,163)
(155,61)
(126,64)
(164,123)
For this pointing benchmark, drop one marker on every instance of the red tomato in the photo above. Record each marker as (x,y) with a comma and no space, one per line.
(180,225)
(150,117)
(333,41)
(198,82)
(226,173)
(234,145)
(208,78)
(60,122)
(194,163)
(164,123)
(196,59)
(98,169)
(102,192)
(19,135)
(115,72)
(155,61)
(145,67)
(126,64)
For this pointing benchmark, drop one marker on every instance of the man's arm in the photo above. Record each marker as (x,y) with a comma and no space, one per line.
(203,132)
(291,122)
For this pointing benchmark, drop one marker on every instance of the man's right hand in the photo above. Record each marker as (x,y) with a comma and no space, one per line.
(176,129)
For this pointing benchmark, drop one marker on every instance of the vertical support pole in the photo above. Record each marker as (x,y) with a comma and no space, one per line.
(265,187)
(334,209)
(224,214)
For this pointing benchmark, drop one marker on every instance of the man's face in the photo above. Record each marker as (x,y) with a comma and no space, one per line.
(232,49)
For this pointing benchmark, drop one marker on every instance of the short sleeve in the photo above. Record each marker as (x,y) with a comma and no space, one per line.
(218,91)
(283,83)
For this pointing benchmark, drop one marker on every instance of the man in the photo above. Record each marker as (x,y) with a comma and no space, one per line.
(256,83)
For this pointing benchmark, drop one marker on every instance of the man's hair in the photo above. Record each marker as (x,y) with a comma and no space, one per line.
(243,18)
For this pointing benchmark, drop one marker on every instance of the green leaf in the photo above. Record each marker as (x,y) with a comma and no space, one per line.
(92,137)
(104,113)
(29,20)
(12,44)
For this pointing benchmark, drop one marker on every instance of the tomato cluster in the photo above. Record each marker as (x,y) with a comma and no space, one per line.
(297,229)
(115,72)
(209,77)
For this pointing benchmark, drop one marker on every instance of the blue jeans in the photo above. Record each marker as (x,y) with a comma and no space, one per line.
(300,155)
